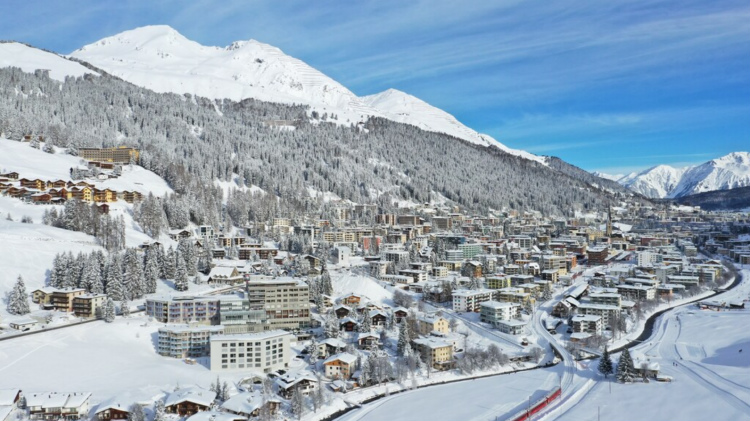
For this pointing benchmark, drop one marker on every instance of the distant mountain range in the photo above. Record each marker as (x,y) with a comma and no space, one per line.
(728,172)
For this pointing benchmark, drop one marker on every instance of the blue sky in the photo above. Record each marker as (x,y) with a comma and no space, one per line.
(614,85)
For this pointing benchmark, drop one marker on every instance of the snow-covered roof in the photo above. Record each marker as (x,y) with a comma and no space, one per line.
(191,394)
(8,396)
(215,416)
(334,342)
(344,357)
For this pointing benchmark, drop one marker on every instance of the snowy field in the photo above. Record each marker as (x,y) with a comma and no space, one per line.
(29,162)
(473,400)
(28,250)
(710,381)
(105,359)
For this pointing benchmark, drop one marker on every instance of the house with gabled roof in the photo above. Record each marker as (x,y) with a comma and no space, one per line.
(188,401)
(340,366)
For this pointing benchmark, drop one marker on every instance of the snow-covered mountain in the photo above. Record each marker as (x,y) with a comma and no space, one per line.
(663,181)
(605,176)
(29,59)
(161,59)
(404,108)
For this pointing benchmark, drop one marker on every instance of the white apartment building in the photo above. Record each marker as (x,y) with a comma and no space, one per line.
(493,312)
(470,300)
(264,351)
(286,302)
(186,341)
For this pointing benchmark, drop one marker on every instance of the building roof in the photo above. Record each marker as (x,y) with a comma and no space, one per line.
(252,336)
(190,394)
(344,357)
(8,396)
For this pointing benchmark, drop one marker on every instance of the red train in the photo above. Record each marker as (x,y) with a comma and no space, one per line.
(539,405)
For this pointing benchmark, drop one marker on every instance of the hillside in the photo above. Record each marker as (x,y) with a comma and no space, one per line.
(192,143)
(29,59)
(728,172)
(161,59)
(732,199)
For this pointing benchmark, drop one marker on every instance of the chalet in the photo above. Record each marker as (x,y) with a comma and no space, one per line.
(249,404)
(113,409)
(41,198)
(179,234)
(43,296)
(399,314)
(341,311)
(188,401)
(304,381)
(352,299)
(33,183)
(565,307)
(331,346)
(62,299)
(367,340)
(10,175)
(340,366)
(58,406)
(377,317)
(105,196)
(224,275)
(84,194)
(130,196)
(348,324)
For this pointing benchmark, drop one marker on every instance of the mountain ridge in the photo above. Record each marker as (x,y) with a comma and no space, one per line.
(161,59)
(663,181)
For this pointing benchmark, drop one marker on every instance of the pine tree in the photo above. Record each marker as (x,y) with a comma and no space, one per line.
(297,403)
(547,292)
(625,369)
(114,287)
(18,301)
(125,308)
(135,413)
(133,278)
(159,410)
(404,338)
(151,272)
(181,275)
(170,260)
(366,325)
(605,363)
(108,313)
(331,327)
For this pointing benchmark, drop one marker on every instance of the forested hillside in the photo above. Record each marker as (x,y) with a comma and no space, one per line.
(193,141)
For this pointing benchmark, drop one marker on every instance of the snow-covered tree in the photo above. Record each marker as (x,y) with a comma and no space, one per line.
(181,281)
(18,301)
(625,368)
(125,308)
(297,403)
(108,311)
(135,413)
(605,363)
(366,325)
(159,410)
(404,339)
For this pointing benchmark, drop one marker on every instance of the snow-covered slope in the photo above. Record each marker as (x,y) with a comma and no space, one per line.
(30,162)
(161,59)
(29,59)
(655,182)
(663,181)
(608,176)
(404,108)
